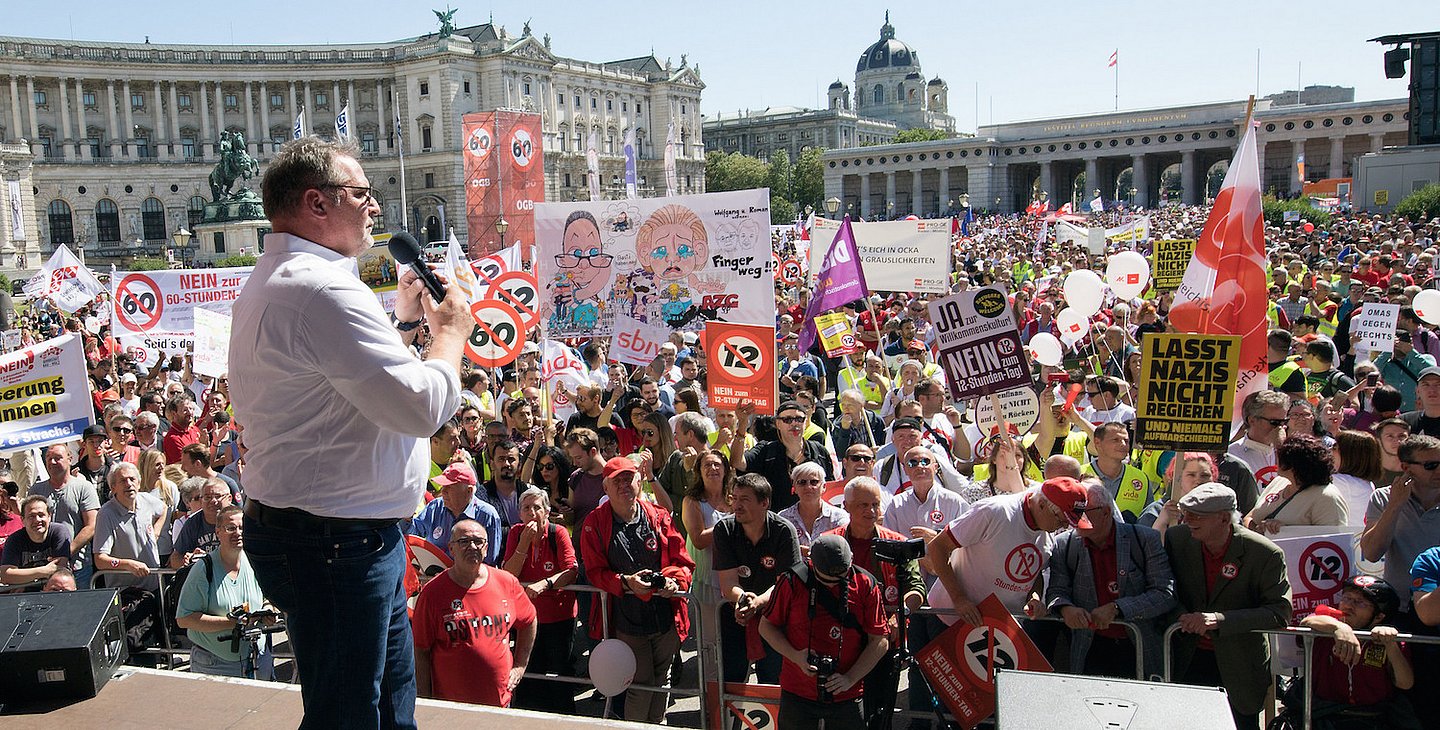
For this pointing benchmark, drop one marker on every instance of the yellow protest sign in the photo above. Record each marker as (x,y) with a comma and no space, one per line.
(836,335)
(1187,391)
(1169,261)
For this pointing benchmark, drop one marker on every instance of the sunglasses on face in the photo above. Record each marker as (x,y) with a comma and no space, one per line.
(547,466)
(1426,465)
(123,429)
(791,419)
(860,457)
(648,433)
(913,463)
(1276,422)
(806,482)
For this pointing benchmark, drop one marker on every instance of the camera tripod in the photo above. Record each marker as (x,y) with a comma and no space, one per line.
(251,627)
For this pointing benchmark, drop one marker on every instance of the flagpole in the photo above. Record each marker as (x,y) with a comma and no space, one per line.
(1117,80)
(404,198)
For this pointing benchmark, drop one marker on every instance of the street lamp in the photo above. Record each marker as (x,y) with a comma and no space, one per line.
(890,210)
(181,239)
(832,206)
(1133,193)
(502,225)
(964,200)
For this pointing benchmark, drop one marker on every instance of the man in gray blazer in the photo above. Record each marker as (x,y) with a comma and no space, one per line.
(1229,581)
(1112,571)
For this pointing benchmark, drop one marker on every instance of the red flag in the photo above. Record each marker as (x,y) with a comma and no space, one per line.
(1223,292)
(1114,58)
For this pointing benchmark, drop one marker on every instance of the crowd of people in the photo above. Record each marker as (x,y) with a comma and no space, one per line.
(869,498)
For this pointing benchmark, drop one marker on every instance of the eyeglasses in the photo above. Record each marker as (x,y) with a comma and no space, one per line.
(368,193)
(806,482)
(122,429)
(478,542)
(148,428)
(859,457)
(596,260)
(547,466)
(912,463)
(648,433)
(1427,465)
(791,419)
(1276,422)
(470,419)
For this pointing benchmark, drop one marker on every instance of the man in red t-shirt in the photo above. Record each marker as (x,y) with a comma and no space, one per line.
(846,627)
(462,624)
(1351,671)
(183,431)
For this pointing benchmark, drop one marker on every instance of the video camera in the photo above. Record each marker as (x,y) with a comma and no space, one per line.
(898,551)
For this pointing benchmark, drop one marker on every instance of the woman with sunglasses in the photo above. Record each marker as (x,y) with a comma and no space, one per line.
(1187,471)
(1301,493)
(550,470)
(472,435)
(657,440)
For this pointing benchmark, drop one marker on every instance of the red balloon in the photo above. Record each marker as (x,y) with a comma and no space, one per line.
(1308,227)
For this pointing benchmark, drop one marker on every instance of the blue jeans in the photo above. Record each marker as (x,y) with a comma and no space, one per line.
(202,661)
(343,594)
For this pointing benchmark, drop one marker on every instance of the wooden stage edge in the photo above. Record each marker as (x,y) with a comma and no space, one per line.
(155,699)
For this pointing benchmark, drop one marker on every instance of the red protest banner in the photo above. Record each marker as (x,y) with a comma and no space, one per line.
(741,365)
(961,663)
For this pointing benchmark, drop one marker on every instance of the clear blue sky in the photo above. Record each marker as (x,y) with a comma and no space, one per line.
(1029,60)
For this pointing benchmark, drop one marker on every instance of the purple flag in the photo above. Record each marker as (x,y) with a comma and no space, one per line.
(840,282)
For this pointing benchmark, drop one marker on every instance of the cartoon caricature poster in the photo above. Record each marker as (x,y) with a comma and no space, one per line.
(679,261)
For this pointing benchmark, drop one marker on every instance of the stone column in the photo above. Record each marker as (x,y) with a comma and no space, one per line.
(263,143)
(1377,142)
(34,117)
(1140,179)
(1092,181)
(889,195)
(294,112)
(252,143)
(67,133)
(219,101)
(917,202)
(15,107)
(944,191)
(305,104)
(864,196)
(1189,178)
(334,100)
(115,139)
(129,117)
(1297,148)
(203,144)
(1337,157)
(387,125)
(175,117)
(1047,183)
(83,130)
(158,118)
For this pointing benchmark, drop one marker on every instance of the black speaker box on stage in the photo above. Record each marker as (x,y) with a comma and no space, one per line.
(59,645)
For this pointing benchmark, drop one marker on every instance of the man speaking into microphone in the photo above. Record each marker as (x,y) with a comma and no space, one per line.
(336,411)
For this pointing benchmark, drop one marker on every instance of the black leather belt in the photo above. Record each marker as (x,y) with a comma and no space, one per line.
(290,518)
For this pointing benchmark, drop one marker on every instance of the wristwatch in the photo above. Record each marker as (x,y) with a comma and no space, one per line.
(403,326)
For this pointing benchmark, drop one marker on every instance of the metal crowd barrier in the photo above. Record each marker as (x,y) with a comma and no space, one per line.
(22,587)
(169,650)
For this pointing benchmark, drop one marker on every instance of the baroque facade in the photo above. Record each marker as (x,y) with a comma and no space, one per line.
(1004,166)
(123,136)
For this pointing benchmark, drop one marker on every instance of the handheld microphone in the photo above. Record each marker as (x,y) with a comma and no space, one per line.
(406,251)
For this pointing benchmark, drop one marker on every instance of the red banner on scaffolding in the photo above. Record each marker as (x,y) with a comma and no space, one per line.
(504,175)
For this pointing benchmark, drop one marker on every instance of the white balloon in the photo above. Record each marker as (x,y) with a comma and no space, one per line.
(1046,349)
(1072,324)
(1128,273)
(1427,305)
(612,667)
(1084,291)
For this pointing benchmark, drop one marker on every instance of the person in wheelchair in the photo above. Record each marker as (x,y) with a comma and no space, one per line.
(1356,683)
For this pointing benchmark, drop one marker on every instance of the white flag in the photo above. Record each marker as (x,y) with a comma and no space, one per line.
(1097,205)
(592,166)
(631,185)
(65,281)
(671,186)
(342,123)
(299,130)
(457,269)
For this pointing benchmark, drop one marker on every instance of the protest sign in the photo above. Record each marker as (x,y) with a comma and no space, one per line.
(11,341)
(751,706)
(154,310)
(1136,230)
(1187,391)
(1375,325)
(740,365)
(911,255)
(1317,566)
(979,343)
(635,342)
(212,342)
(379,271)
(1095,241)
(44,394)
(1169,260)
(679,261)
(836,334)
(961,662)
(64,280)
(1019,407)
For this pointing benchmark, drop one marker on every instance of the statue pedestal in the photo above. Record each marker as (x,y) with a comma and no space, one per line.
(235,225)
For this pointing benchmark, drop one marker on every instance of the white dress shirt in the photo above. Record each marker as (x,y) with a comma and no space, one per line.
(337,410)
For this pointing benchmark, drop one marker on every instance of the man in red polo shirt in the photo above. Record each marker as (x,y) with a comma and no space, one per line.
(183,431)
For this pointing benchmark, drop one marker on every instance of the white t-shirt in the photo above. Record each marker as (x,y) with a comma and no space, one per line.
(940,508)
(1121,413)
(1259,457)
(1357,493)
(999,553)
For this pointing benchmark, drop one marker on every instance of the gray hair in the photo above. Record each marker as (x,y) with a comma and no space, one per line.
(1262,399)
(147,418)
(694,423)
(535,493)
(1096,495)
(190,487)
(119,469)
(858,482)
(807,469)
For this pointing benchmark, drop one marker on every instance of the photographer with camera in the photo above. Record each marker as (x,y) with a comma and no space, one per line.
(631,550)
(220,582)
(827,621)
(752,548)
(887,556)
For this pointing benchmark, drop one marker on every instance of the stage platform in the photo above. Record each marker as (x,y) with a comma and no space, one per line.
(154,699)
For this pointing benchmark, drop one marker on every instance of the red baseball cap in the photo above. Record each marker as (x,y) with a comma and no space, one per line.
(619,465)
(1071,497)
(457,473)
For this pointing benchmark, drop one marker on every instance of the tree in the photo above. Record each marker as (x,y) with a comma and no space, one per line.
(239,259)
(142,263)
(1421,205)
(733,172)
(808,186)
(919,135)
(780,175)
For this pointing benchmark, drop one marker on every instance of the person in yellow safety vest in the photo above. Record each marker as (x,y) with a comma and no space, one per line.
(1286,375)
(1132,490)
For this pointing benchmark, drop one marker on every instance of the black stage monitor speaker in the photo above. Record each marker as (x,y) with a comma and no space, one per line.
(59,645)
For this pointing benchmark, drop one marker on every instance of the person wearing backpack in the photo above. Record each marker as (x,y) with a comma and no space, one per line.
(221,580)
